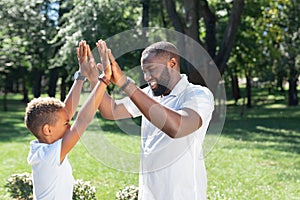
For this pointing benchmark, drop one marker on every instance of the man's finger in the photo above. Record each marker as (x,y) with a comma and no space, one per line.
(111,56)
(100,67)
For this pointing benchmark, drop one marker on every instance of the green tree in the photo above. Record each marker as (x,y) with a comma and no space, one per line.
(89,20)
(201,16)
(282,35)
(25,51)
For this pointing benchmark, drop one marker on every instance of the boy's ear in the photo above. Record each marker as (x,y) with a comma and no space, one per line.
(46,129)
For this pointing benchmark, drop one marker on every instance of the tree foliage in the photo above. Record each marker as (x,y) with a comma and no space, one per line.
(246,38)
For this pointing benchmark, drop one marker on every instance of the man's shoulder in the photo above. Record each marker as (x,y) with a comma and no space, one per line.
(197,89)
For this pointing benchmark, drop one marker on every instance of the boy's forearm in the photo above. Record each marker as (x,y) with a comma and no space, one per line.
(89,108)
(72,99)
(87,111)
(84,117)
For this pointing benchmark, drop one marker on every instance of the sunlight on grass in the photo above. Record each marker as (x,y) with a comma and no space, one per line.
(275,106)
(256,156)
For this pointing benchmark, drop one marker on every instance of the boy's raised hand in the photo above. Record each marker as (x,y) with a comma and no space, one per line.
(88,66)
(81,52)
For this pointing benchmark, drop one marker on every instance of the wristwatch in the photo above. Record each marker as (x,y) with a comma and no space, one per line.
(78,76)
(103,78)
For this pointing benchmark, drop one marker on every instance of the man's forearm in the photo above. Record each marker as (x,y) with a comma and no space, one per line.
(174,124)
(162,117)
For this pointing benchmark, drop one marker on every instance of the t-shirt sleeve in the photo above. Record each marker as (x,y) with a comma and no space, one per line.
(201,100)
(52,153)
(41,152)
(130,106)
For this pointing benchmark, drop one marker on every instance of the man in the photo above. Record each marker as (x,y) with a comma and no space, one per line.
(175,117)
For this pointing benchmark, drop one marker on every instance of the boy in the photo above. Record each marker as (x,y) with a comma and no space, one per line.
(49,121)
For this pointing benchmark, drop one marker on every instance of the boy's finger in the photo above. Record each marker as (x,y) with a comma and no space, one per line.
(90,55)
(89,52)
(81,48)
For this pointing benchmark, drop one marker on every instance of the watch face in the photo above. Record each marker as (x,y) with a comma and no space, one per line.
(76,75)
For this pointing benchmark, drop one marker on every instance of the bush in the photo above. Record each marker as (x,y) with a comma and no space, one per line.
(128,193)
(83,191)
(20,187)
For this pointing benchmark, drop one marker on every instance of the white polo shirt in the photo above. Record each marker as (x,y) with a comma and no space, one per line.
(51,180)
(170,168)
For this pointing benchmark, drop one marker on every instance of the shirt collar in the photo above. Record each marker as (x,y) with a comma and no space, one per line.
(180,86)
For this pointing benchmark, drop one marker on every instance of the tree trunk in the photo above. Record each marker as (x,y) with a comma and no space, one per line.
(280,84)
(53,82)
(145,17)
(235,89)
(248,91)
(163,18)
(210,24)
(25,91)
(63,89)
(193,10)
(229,35)
(5,100)
(37,79)
(174,16)
(191,29)
(293,96)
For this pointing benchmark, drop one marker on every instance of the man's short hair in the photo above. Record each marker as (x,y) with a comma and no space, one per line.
(162,48)
(41,111)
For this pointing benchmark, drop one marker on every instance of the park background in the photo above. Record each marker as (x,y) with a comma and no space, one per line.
(254,43)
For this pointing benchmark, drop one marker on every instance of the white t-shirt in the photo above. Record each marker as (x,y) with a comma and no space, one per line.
(170,168)
(51,180)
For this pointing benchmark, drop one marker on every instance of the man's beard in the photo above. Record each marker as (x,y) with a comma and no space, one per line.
(160,90)
(162,84)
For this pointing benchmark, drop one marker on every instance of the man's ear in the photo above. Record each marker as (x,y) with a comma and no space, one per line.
(46,130)
(172,62)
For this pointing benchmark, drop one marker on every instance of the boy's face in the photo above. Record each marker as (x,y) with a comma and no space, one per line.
(62,124)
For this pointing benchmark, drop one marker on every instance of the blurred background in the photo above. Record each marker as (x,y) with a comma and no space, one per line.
(254,43)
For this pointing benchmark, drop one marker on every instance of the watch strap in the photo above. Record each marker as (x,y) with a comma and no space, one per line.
(78,76)
(104,79)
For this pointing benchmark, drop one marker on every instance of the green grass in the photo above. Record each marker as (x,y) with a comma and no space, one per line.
(256,156)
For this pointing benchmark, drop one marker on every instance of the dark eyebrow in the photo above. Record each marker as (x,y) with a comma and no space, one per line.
(147,66)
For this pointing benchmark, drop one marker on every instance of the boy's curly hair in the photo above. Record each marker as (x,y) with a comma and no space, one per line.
(41,111)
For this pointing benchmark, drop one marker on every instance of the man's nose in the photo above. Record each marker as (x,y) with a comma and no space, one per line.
(147,76)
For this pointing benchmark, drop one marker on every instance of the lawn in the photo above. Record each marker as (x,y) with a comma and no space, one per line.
(256,156)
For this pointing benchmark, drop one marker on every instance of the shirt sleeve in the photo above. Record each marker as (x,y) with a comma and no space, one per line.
(199,99)
(52,153)
(130,106)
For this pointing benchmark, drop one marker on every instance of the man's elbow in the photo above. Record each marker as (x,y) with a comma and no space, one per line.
(181,130)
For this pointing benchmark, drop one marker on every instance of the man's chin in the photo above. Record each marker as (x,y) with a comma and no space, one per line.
(158,91)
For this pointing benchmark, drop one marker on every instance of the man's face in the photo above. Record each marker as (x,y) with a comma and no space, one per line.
(156,73)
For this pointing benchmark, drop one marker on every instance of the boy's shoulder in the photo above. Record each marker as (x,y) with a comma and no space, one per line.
(43,152)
